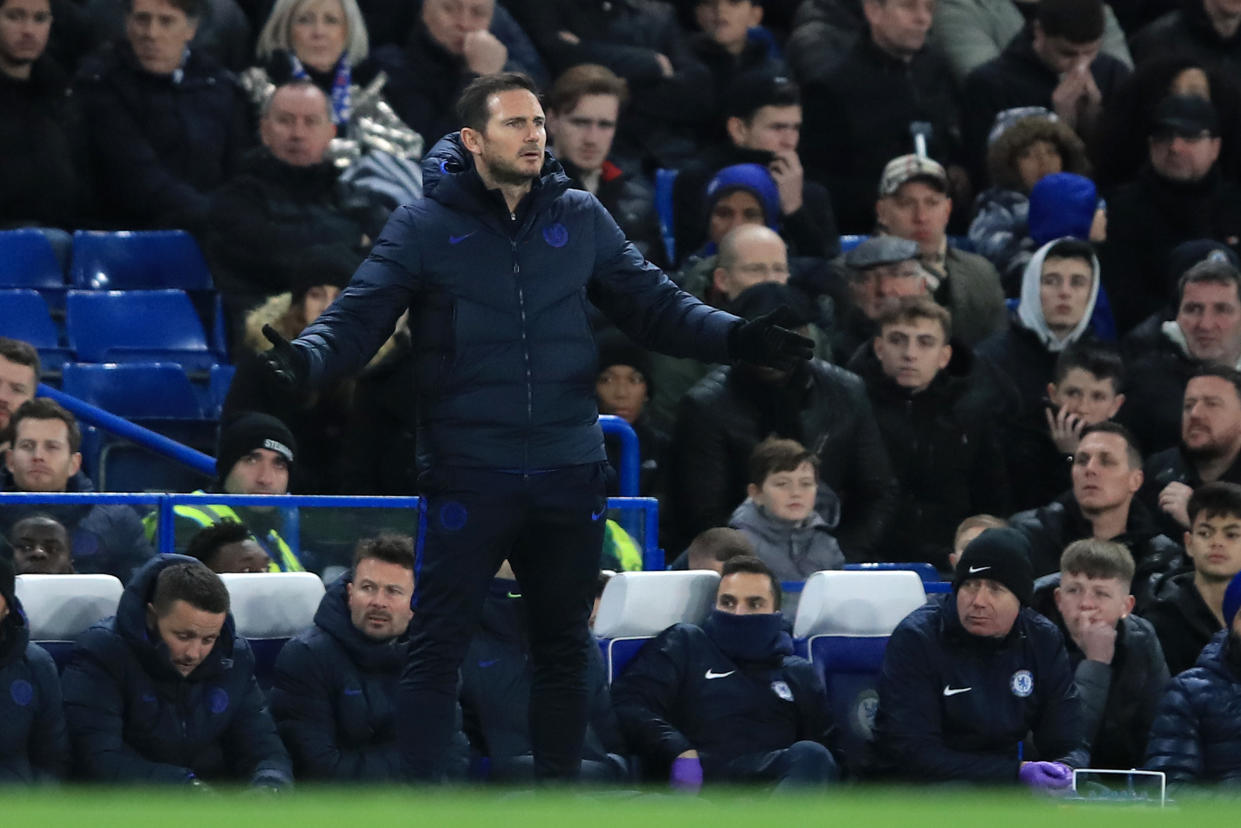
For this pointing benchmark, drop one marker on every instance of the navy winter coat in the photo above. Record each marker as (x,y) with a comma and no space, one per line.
(1196,735)
(34,745)
(333,697)
(681,692)
(133,718)
(505,364)
(956,707)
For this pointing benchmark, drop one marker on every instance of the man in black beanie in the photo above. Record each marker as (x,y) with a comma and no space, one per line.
(254,457)
(966,680)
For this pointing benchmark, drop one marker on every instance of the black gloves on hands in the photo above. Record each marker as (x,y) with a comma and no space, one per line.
(286,364)
(767,340)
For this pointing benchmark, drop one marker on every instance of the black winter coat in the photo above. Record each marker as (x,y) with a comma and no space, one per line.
(1118,699)
(858,120)
(1182,620)
(1188,31)
(631,202)
(159,144)
(945,455)
(1196,735)
(1156,373)
(34,743)
(505,378)
(133,718)
(1052,527)
(823,407)
(334,697)
(954,707)
(1169,466)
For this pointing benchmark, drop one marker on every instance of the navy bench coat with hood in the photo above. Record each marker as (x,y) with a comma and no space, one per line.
(34,745)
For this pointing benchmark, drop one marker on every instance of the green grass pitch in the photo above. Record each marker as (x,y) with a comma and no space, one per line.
(488,808)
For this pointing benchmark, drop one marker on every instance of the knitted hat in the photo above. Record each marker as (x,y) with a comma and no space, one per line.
(323,264)
(765,297)
(1196,251)
(1062,204)
(1001,555)
(1232,600)
(617,349)
(248,432)
(8,581)
(754,179)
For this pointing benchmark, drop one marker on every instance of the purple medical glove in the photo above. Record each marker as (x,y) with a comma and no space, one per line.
(686,774)
(1046,775)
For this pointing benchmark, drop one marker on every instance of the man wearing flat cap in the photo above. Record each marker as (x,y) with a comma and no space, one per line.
(978,687)
(880,271)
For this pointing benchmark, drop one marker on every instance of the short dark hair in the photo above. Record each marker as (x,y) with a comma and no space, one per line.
(980,521)
(42,408)
(193,9)
(22,353)
(1077,21)
(585,79)
(1231,375)
(1216,499)
(1100,361)
(472,108)
(388,547)
(192,582)
(1208,272)
(754,90)
(206,542)
(719,543)
(1071,249)
(1132,451)
(912,308)
(755,566)
(1096,558)
(776,454)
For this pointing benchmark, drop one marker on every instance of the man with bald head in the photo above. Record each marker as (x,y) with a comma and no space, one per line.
(287,206)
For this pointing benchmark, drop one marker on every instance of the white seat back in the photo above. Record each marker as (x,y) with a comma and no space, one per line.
(857,603)
(273,604)
(62,607)
(636,604)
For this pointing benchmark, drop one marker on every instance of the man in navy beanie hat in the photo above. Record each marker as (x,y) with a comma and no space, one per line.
(965,681)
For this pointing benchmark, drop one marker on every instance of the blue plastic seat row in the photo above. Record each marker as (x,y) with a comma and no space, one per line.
(121,260)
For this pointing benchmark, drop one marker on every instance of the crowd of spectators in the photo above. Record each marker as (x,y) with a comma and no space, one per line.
(1032,321)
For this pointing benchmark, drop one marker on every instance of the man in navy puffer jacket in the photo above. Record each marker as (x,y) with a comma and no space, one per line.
(498,266)
(164,691)
(1196,735)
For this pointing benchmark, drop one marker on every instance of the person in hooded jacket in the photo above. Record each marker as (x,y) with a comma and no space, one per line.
(334,694)
(34,744)
(1196,736)
(510,448)
(934,420)
(495,693)
(164,691)
(728,702)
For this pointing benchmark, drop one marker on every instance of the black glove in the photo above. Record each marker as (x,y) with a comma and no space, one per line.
(767,341)
(286,363)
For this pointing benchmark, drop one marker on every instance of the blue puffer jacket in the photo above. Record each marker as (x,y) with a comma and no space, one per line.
(133,718)
(504,358)
(333,697)
(1196,735)
(34,745)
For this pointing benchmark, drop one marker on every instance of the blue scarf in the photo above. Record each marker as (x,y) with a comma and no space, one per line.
(341,105)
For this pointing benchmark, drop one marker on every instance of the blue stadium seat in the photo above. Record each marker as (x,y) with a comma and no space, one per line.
(137,326)
(27,260)
(129,260)
(217,388)
(637,606)
(664,180)
(59,608)
(843,623)
(137,390)
(24,315)
(269,608)
(925,571)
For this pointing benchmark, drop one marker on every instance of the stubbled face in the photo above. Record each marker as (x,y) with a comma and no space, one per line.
(1210,417)
(1183,157)
(24,28)
(1064,290)
(189,633)
(318,33)
(987,608)
(1210,317)
(918,212)
(17,385)
(41,459)
(899,27)
(912,352)
(733,210)
(298,127)
(1213,542)
(583,136)
(159,33)
(1037,160)
(379,598)
(772,128)
(745,593)
(1096,600)
(40,547)
(621,390)
(1102,476)
(788,495)
(449,21)
(509,150)
(262,471)
(1090,398)
(876,289)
